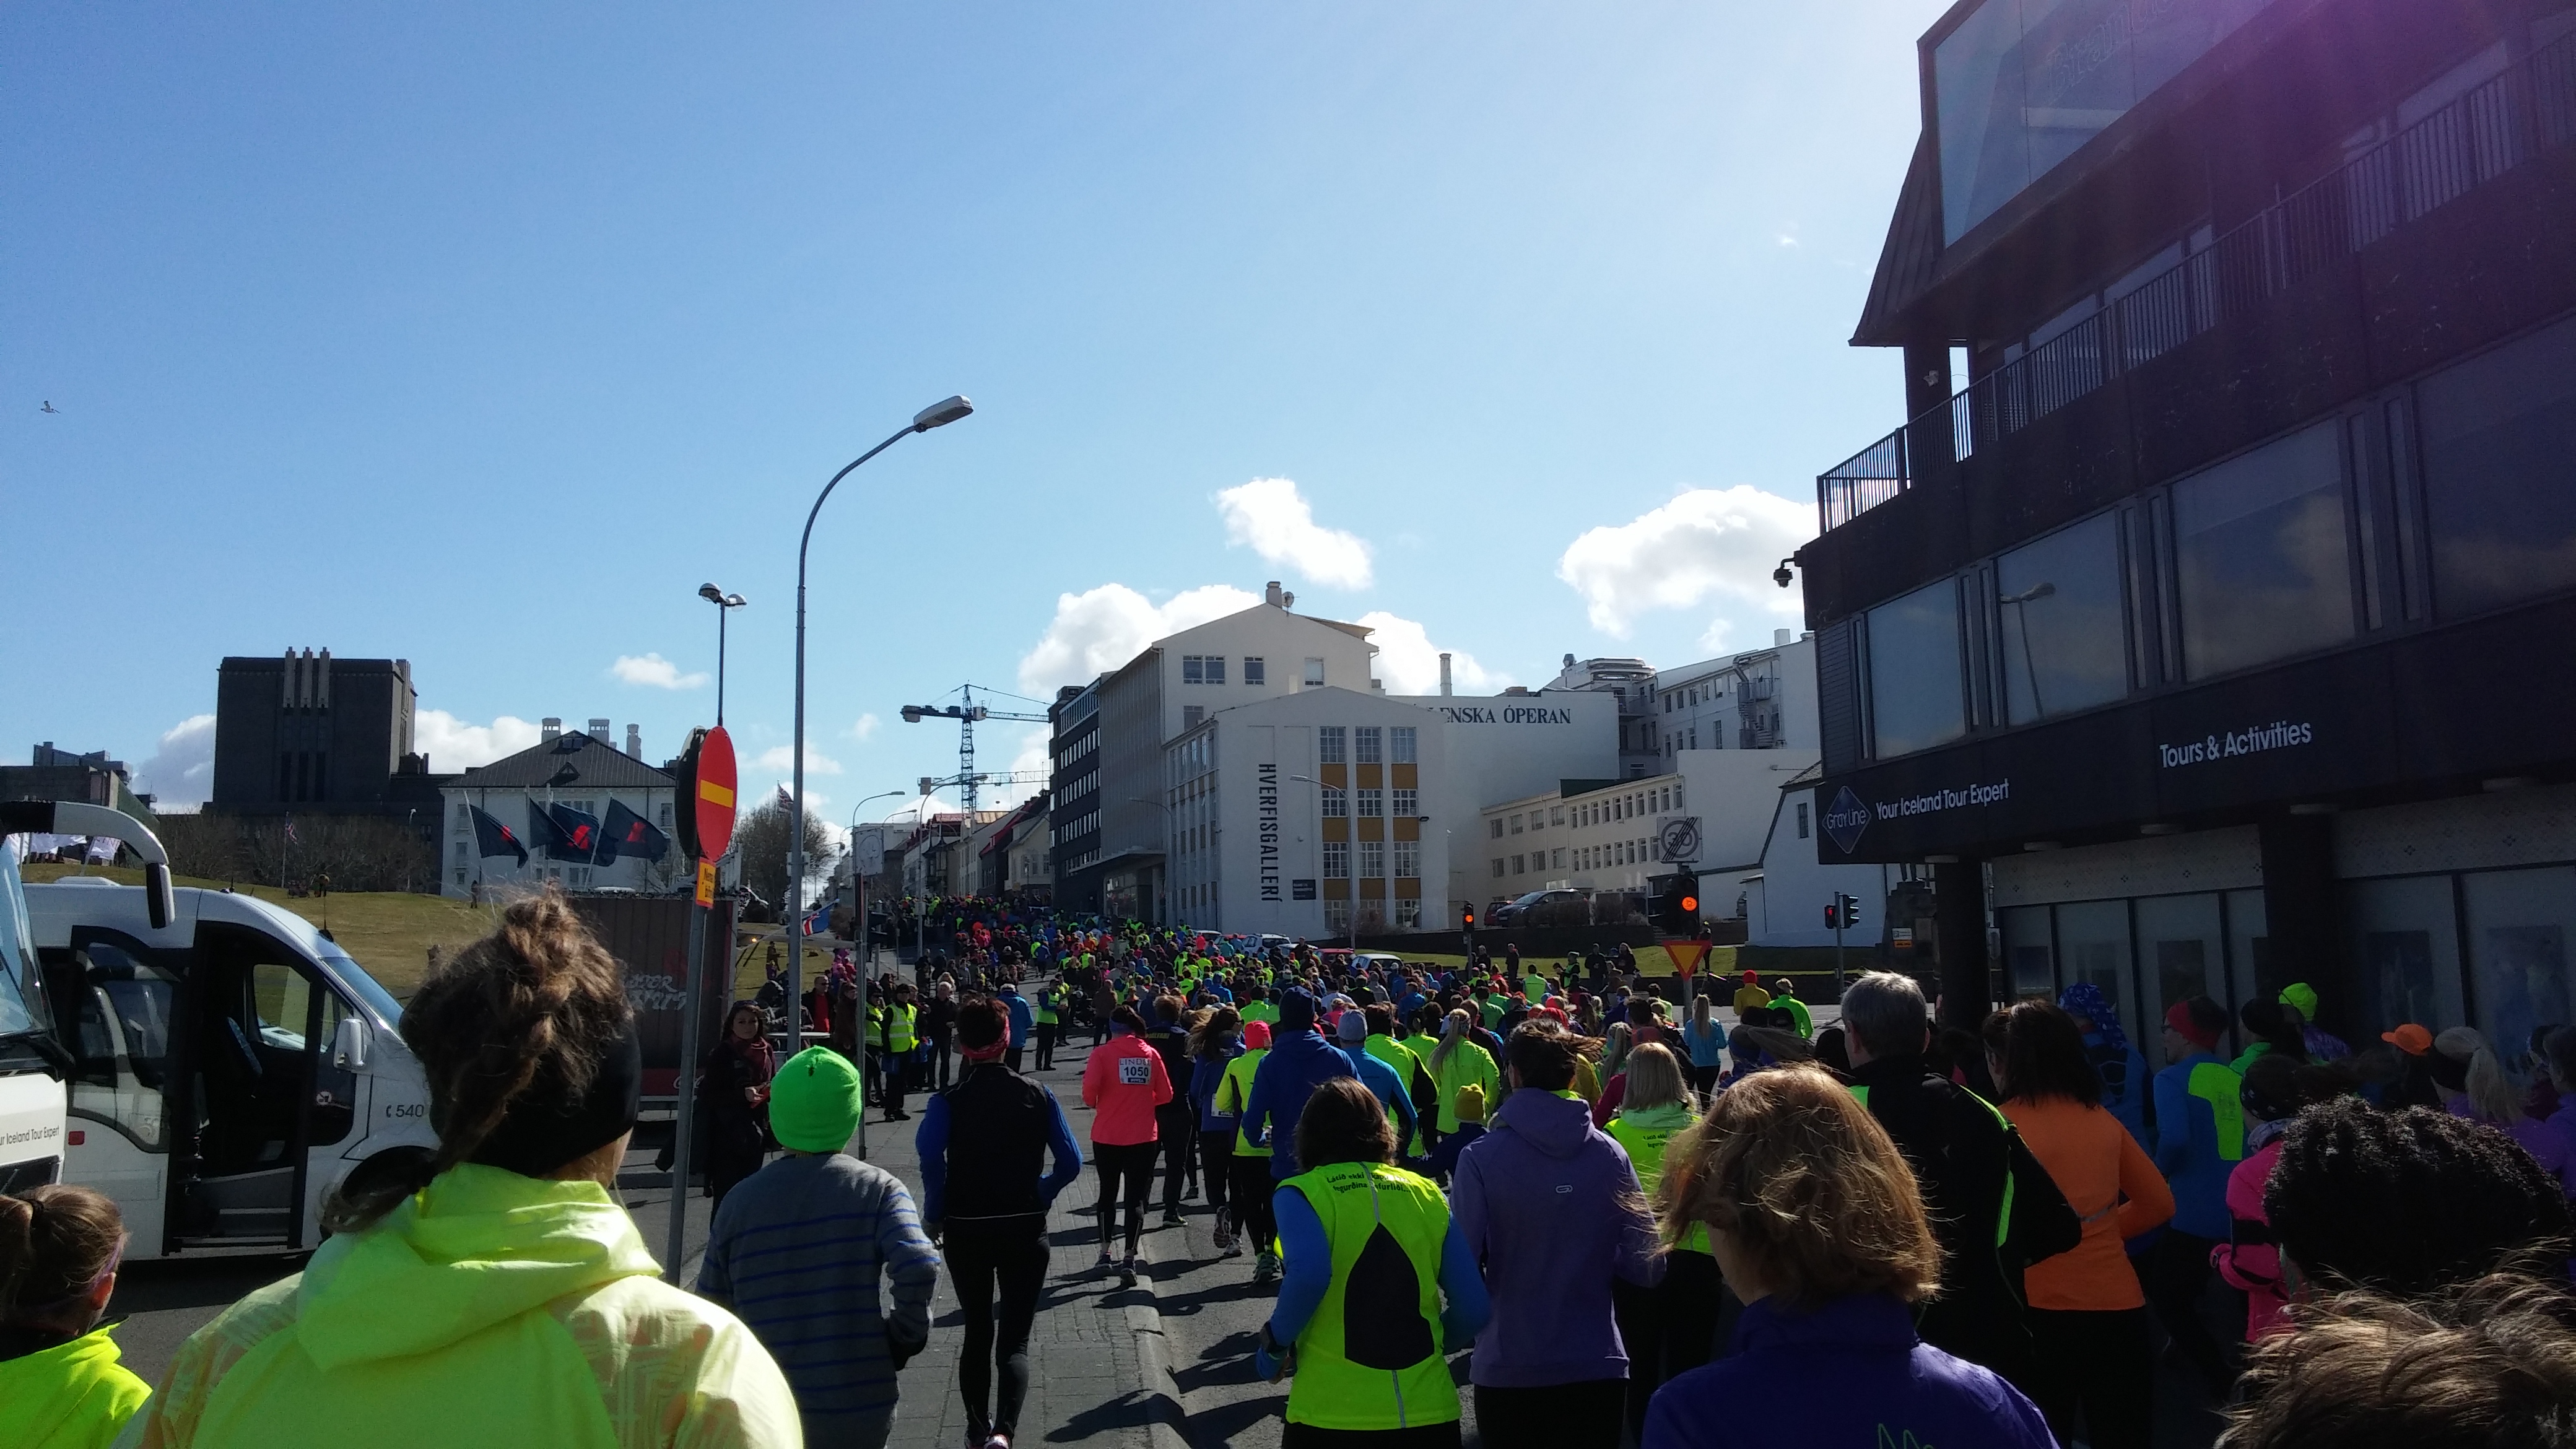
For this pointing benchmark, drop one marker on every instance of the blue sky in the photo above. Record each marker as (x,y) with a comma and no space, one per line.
(481,335)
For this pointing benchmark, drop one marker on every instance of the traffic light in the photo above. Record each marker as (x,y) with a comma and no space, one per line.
(1467,916)
(1676,910)
(1842,913)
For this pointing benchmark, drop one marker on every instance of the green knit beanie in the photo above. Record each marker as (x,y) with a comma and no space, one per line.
(814,1103)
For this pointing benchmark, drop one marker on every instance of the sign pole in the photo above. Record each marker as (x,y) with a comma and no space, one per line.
(684,1121)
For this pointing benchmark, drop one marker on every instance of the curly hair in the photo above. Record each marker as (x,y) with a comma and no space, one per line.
(537,997)
(1805,1181)
(2406,1202)
(2491,1365)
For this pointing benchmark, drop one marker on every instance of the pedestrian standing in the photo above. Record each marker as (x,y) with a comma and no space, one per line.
(1125,1085)
(1553,1212)
(939,1023)
(1023,1022)
(901,1039)
(1814,1218)
(2200,1143)
(458,1290)
(1048,1016)
(1704,1037)
(982,1143)
(61,1386)
(2088,1314)
(734,1086)
(1372,1253)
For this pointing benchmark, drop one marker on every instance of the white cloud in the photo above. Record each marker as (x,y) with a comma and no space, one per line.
(656,671)
(453,745)
(1409,662)
(182,771)
(1272,516)
(1722,541)
(780,759)
(866,729)
(1102,629)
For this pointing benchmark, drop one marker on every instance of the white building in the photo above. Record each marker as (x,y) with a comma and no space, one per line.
(1783,900)
(583,771)
(1608,835)
(1762,699)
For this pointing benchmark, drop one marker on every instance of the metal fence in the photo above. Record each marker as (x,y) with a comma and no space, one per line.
(2527,109)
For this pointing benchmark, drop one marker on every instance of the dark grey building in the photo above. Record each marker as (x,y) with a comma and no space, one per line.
(311,733)
(1073,794)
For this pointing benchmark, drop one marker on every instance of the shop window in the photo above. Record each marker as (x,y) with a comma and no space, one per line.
(2260,560)
(2185,954)
(2064,644)
(2520,922)
(1916,700)
(2498,431)
(2406,951)
(2030,956)
(2093,945)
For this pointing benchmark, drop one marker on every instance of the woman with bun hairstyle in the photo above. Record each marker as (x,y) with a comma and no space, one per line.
(60,1384)
(491,1292)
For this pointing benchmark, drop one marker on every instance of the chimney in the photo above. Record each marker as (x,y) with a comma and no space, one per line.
(1779,637)
(548,728)
(598,730)
(1270,595)
(1569,661)
(1444,673)
(635,741)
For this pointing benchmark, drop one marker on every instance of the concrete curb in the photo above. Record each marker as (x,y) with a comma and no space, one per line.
(1153,1355)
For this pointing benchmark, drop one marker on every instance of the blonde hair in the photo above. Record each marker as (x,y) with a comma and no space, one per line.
(1806,1183)
(1655,1078)
(2488,1089)
(1616,1043)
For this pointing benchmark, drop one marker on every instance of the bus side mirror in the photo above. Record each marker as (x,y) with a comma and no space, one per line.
(349,1044)
(158,899)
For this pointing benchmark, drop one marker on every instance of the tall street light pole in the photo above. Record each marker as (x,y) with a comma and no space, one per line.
(859,923)
(937,415)
(725,605)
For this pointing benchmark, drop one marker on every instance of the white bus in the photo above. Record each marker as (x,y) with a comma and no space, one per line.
(229,1064)
(33,1062)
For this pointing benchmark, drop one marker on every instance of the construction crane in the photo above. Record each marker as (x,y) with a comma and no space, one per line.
(967,713)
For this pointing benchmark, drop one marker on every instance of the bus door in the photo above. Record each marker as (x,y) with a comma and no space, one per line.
(267,1095)
(117,1003)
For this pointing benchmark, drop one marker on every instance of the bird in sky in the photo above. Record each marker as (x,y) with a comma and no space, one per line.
(49,407)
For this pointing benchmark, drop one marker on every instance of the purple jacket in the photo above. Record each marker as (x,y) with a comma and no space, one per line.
(1850,1372)
(1550,1207)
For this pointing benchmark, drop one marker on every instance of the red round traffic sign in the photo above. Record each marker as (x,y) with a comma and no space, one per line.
(713,808)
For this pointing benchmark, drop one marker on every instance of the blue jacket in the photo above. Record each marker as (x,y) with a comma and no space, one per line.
(1300,1060)
(2189,1153)
(1849,1372)
(2124,1082)
(1391,1089)
(1203,1085)
(1024,1017)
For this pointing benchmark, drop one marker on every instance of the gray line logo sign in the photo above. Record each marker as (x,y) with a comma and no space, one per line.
(1846,820)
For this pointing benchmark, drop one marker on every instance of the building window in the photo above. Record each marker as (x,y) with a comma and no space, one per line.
(2260,563)
(1400,745)
(666,817)
(1802,821)
(2495,434)
(1916,700)
(1372,804)
(1216,669)
(1556,815)
(1520,865)
(1494,827)
(2064,642)
(1408,803)
(580,875)
(1337,802)
(1332,745)
(1373,859)
(463,854)
(1498,867)
(1337,860)
(1516,825)
(1408,914)
(1370,740)
(1314,673)
(1254,672)
(460,877)
(464,817)
(1556,858)
(1193,669)
(1408,858)
(1192,715)
(1337,916)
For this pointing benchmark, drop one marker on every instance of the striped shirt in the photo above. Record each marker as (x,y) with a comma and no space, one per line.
(796,1252)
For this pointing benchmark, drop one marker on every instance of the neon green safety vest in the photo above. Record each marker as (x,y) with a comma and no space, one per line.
(1646,1154)
(899,1024)
(1044,1007)
(1401,1058)
(1370,1357)
(2222,1088)
(1234,1094)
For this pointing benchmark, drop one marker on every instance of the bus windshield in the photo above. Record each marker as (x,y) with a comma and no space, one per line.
(22,988)
(358,983)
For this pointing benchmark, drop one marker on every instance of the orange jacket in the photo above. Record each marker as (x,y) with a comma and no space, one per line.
(2113,1186)
(1123,1080)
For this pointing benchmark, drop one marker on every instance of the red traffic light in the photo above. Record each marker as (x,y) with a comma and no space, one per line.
(1470,916)
(1690,903)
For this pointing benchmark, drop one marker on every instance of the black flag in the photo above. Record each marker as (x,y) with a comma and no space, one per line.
(580,832)
(630,836)
(491,838)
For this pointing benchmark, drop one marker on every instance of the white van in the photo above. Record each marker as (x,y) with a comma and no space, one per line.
(232,1066)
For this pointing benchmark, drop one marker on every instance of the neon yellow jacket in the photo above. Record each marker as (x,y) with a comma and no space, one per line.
(72,1396)
(491,1309)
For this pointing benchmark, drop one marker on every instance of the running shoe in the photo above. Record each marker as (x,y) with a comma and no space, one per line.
(1106,1262)
(1127,1273)
(1265,1267)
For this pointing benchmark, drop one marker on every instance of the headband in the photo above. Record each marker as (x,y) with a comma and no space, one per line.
(547,1126)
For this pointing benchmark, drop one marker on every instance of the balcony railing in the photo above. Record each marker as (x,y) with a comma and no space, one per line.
(2528,109)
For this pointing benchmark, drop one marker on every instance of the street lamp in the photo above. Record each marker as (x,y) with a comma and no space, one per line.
(2036,591)
(938,415)
(725,605)
(859,923)
(1319,820)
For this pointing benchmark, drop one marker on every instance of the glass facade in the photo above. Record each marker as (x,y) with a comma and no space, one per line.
(2519,923)
(2064,634)
(2263,569)
(2020,84)
(1916,698)
(2499,431)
